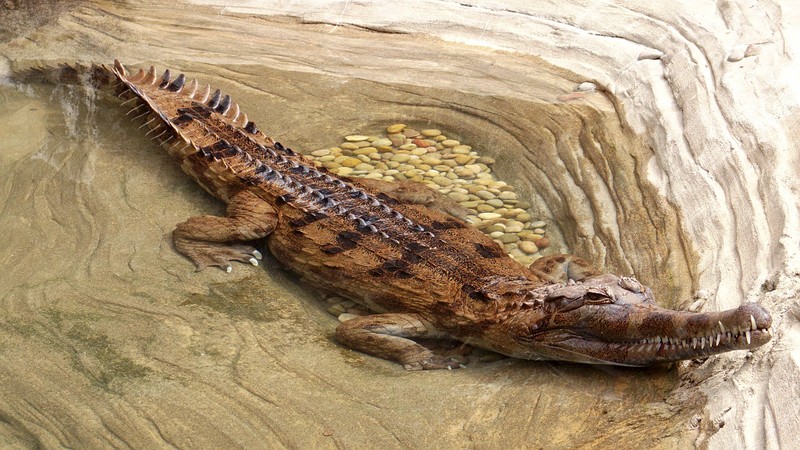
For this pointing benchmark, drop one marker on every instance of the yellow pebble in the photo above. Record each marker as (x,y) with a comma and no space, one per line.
(351,162)
(396,128)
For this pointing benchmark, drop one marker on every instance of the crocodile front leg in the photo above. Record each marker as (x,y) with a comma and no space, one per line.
(217,241)
(388,336)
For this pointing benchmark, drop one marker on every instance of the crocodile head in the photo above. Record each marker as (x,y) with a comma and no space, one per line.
(614,320)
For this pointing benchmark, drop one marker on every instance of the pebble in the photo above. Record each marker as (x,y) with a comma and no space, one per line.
(489,215)
(355,138)
(401,158)
(542,242)
(421,143)
(508,238)
(344,171)
(350,162)
(463,159)
(463,172)
(507,195)
(538,224)
(344,317)
(486,195)
(365,151)
(514,228)
(396,128)
(337,309)
(474,168)
(410,132)
(458,196)
(528,247)
(384,142)
(442,181)
(450,142)
(431,132)
(323,152)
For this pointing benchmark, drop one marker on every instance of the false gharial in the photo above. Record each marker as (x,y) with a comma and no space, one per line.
(400,249)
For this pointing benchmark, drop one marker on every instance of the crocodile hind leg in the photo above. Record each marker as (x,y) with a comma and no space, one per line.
(218,241)
(389,336)
(562,268)
(417,194)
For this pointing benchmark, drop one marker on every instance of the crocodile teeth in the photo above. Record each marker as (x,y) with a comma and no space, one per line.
(769,331)
(229,269)
(747,334)
(753,323)
(719,336)
(722,327)
(694,342)
(253,261)
(702,342)
(257,254)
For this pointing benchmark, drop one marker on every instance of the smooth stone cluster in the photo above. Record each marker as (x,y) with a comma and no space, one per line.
(450,167)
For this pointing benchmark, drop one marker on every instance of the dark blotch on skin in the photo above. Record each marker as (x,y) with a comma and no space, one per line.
(446,225)
(386,199)
(197,110)
(411,257)
(415,247)
(182,120)
(332,250)
(488,251)
(348,239)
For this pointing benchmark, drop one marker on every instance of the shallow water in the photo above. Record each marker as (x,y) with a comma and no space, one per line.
(109,338)
(112,317)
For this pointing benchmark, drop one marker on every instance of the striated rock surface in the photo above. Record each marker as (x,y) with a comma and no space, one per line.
(657,139)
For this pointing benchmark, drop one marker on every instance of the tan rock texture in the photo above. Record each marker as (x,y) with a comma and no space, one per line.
(680,167)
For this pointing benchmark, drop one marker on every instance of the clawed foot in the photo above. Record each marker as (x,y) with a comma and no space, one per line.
(205,254)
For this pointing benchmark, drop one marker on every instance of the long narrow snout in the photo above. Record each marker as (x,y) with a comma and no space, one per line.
(613,320)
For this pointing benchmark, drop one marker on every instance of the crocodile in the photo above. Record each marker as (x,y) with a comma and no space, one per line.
(405,252)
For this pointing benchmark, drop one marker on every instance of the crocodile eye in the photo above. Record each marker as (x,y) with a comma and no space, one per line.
(596,298)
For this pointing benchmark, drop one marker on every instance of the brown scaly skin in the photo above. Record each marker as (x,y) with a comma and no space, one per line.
(403,251)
